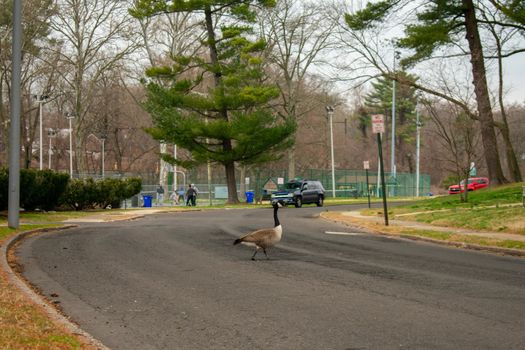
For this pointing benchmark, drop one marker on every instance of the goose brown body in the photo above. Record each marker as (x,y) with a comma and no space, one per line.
(263,238)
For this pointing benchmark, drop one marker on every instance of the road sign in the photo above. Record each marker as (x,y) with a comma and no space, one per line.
(366,165)
(378,123)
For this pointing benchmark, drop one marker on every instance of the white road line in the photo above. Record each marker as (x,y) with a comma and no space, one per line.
(344,233)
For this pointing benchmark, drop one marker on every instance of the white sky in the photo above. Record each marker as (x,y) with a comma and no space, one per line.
(514,72)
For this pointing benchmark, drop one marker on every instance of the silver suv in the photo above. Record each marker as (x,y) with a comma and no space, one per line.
(299,192)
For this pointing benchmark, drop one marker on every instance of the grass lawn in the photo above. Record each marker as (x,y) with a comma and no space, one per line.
(24,325)
(493,209)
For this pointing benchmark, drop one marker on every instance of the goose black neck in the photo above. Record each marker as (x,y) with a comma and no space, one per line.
(275,218)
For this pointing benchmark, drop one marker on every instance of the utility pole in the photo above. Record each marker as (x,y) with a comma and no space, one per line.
(330,111)
(40,99)
(393,147)
(418,132)
(175,186)
(51,133)
(70,117)
(13,216)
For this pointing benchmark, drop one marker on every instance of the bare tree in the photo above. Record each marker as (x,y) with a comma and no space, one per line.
(297,33)
(459,139)
(503,36)
(94,36)
(36,77)
(370,47)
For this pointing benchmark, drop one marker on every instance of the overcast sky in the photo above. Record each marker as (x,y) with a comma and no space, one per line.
(515,78)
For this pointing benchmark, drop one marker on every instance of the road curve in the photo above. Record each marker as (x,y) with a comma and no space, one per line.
(175,281)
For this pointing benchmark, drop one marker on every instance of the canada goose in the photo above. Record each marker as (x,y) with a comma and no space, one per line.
(264,238)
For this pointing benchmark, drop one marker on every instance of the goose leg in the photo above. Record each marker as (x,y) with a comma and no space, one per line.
(253,256)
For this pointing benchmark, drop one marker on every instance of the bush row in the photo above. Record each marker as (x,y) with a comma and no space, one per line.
(88,193)
(48,190)
(40,189)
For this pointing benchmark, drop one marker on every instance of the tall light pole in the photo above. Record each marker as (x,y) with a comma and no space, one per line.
(393,147)
(175,186)
(40,99)
(70,117)
(418,132)
(330,111)
(13,212)
(51,133)
(102,140)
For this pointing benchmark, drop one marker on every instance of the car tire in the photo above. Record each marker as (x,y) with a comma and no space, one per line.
(298,202)
(320,201)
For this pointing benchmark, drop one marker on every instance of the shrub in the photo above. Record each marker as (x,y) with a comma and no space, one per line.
(88,193)
(39,189)
(80,194)
(44,188)
(4,188)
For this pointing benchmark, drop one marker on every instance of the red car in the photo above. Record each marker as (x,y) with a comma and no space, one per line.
(474,183)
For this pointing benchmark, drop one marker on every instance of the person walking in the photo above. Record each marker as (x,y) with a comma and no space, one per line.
(191,196)
(160,195)
(174,197)
(181,194)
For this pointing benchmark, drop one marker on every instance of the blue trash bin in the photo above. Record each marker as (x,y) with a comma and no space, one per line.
(147,201)
(249,197)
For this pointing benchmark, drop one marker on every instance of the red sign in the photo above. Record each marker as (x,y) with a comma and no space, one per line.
(378,123)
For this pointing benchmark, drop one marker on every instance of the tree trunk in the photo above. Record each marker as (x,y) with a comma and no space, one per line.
(490,145)
(512,160)
(226,144)
(230,182)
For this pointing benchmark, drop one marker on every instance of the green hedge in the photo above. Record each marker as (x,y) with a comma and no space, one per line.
(39,189)
(46,190)
(88,193)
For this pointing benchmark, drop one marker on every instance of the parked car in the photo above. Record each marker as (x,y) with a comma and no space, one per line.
(474,183)
(299,192)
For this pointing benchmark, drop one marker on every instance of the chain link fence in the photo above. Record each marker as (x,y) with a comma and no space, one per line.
(262,182)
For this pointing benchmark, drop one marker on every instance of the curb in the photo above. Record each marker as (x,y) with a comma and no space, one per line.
(37,299)
(504,251)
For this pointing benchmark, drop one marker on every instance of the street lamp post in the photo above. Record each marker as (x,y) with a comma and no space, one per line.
(102,140)
(70,117)
(13,212)
(418,135)
(393,147)
(40,99)
(330,111)
(51,133)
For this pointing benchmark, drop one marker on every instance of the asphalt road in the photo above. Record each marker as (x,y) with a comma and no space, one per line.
(175,281)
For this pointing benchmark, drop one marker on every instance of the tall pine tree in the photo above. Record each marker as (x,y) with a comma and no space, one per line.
(440,24)
(379,101)
(216,107)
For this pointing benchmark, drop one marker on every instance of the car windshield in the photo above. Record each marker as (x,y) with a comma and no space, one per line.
(463,181)
(292,185)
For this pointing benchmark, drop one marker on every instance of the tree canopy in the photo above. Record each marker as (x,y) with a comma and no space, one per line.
(218,107)
(441,24)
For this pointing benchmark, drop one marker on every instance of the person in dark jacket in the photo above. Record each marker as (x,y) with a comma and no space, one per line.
(191,196)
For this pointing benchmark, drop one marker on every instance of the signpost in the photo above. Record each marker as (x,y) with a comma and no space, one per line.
(366,165)
(378,127)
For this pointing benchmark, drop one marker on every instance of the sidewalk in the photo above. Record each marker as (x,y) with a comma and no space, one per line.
(409,229)
(128,214)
